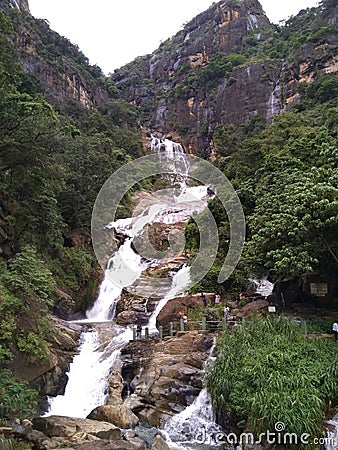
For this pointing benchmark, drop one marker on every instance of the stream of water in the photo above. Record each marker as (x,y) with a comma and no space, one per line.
(101,343)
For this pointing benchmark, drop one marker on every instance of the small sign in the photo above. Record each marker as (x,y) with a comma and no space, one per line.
(319,289)
(271,309)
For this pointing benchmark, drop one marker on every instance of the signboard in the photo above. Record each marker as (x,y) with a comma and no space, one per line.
(319,289)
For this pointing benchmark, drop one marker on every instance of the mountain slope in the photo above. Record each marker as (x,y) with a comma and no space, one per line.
(226,66)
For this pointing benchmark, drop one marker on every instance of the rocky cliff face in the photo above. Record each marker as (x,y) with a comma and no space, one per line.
(217,70)
(21,5)
(174,94)
(61,71)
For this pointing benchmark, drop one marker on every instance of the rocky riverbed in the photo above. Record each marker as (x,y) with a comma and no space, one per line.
(154,380)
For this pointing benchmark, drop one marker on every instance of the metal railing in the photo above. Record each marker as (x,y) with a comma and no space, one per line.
(200,325)
(176,326)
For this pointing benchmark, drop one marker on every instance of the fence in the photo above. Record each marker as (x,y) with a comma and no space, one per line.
(204,325)
(173,327)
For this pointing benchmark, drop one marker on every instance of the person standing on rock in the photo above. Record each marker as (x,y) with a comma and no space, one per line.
(217,299)
(204,299)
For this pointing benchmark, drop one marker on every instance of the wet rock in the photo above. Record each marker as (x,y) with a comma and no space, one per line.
(131,309)
(60,426)
(159,443)
(133,439)
(126,317)
(165,376)
(119,415)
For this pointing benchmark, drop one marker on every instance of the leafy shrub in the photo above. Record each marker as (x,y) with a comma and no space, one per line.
(267,372)
(16,399)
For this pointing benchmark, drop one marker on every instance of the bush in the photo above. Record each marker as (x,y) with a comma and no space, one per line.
(268,372)
(16,400)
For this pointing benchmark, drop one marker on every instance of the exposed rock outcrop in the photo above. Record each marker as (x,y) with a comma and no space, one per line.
(164,376)
(48,376)
(188,110)
(172,98)
(59,426)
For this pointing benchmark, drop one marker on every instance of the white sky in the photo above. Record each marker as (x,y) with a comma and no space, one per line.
(112,33)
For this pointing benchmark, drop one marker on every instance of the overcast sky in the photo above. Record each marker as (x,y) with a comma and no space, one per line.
(112,33)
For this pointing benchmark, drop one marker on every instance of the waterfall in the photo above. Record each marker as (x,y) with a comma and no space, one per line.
(88,374)
(274,105)
(194,425)
(263,286)
(331,437)
(126,266)
(180,281)
(101,341)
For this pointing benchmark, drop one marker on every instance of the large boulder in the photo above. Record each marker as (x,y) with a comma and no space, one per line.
(61,426)
(159,443)
(175,308)
(254,308)
(119,415)
(131,309)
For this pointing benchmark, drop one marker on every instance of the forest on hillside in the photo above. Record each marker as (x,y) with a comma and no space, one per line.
(54,159)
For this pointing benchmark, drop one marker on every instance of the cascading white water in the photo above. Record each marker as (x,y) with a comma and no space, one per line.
(332,436)
(180,281)
(194,425)
(89,371)
(263,286)
(274,107)
(87,383)
(126,266)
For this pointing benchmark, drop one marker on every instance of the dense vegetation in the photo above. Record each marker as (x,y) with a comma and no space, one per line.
(286,176)
(285,173)
(55,158)
(53,161)
(267,372)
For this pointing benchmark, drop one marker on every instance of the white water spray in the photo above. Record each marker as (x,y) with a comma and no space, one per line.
(194,425)
(332,436)
(263,287)
(88,376)
(180,282)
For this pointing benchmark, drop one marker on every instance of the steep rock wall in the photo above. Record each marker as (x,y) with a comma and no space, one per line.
(175,96)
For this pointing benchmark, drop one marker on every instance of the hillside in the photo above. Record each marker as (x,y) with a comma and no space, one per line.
(260,100)
(226,66)
(64,130)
